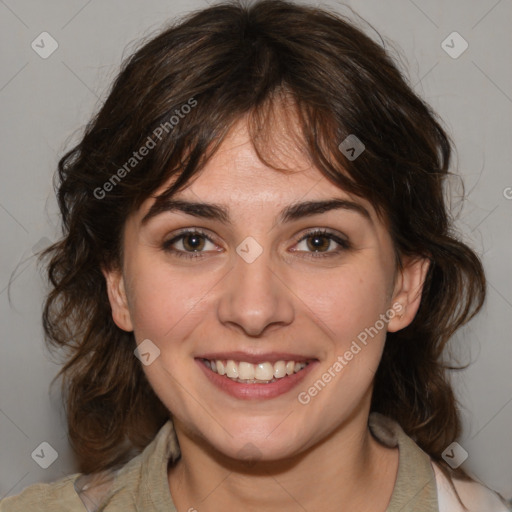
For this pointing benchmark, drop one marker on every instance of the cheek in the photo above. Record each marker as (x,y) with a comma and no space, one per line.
(347,300)
(160,297)
(173,308)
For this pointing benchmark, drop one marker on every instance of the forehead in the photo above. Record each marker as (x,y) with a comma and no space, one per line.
(236,168)
(236,177)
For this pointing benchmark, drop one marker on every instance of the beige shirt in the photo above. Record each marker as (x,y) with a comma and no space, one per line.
(142,485)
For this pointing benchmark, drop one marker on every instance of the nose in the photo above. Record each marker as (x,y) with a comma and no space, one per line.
(254,297)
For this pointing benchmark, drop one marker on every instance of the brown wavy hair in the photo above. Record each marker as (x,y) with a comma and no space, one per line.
(230,61)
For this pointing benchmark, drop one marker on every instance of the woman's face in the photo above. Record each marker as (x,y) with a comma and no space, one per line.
(256,288)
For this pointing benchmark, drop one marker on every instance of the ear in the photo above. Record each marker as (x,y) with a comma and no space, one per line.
(407,292)
(118,300)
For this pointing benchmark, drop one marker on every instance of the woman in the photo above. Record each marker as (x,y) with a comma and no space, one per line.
(258,277)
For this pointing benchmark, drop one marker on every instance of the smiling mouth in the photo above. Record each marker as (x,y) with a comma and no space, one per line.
(248,373)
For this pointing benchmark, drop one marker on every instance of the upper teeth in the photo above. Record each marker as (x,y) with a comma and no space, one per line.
(241,370)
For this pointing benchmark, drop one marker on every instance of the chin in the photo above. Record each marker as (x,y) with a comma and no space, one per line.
(267,443)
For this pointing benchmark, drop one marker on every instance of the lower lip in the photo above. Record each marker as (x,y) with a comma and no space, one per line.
(256,391)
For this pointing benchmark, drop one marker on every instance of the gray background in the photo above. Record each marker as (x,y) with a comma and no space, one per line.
(45,102)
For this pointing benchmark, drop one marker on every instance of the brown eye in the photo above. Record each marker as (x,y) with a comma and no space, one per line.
(193,242)
(189,244)
(319,242)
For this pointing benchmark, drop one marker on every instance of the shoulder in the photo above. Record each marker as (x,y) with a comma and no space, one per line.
(77,492)
(127,488)
(57,496)
(475,496)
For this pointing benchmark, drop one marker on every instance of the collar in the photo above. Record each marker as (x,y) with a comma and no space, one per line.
(415,485)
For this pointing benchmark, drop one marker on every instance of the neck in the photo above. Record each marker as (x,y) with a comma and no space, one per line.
(349,467)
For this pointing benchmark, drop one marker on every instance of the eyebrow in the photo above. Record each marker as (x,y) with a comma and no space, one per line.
(220,213)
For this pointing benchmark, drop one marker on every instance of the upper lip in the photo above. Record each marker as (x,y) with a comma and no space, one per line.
(271,357)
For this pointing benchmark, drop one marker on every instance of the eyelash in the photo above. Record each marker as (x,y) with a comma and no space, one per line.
(344,244)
